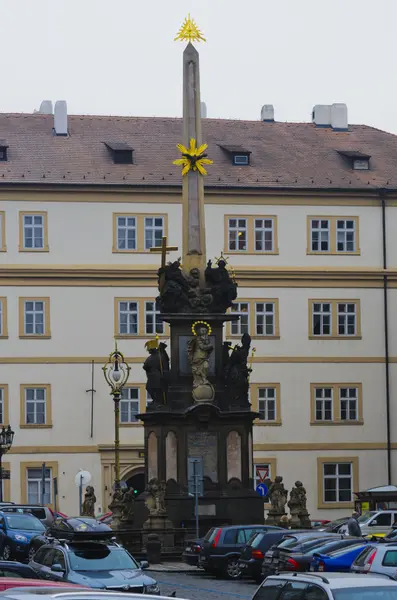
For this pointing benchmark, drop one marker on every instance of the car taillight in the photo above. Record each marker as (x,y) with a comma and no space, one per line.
(257,554)
(321,566)
(216,538)
(197,549)
(370,560)
(292,565)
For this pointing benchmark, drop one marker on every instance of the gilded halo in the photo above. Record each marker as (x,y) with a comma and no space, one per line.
(207,325)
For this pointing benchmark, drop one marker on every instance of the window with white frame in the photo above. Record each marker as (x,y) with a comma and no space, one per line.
(33,232)
(267,408)
(126,233)
(154,231)
(243,324)
(153,322)
(322,318)
(346,318)
(348,398)
(265,315)
(34,317)
(319,235)
(2,400)
(237,233)
(128,317)
(35,406)
(264,235)
(323,399)
(35,483)
(337,482)
(346,235)
(129,405)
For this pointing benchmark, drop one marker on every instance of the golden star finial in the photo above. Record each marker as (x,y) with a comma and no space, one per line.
(189,32)
(193,158)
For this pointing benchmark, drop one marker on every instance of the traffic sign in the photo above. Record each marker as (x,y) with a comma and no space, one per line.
(195,476)
(262,490)
(262,473)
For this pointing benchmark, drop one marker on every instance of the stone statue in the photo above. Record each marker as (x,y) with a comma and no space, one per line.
(156,497)
(173,288)
(128,501)
(297,506)
(157,367)
(88,509)
(237,371)
(199,350)
(278,496)
(222,287)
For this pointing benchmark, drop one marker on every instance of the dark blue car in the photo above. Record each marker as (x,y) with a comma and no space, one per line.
(338,560)
(17,530)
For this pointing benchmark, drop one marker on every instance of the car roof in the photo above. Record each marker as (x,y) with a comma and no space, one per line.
(6,513)
(244,526)
(70,592)
(23,583)
(338,580)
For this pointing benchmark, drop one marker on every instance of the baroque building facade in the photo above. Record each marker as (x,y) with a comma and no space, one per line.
(305,214)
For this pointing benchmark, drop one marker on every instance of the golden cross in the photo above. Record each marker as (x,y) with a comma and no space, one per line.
(163,249)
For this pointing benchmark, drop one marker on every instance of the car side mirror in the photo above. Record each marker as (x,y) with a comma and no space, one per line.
(144,564)
(57,568)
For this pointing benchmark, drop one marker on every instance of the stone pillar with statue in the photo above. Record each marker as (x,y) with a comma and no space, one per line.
(200,405)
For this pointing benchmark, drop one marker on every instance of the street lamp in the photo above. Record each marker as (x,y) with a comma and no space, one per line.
(116,372)
(6,439)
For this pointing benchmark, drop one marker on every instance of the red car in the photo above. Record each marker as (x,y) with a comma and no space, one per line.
(319,522)
(15,582)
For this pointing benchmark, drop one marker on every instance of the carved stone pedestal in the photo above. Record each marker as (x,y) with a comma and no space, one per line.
(274,518)
(163,527)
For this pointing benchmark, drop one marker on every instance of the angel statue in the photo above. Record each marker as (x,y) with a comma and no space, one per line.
(199,350)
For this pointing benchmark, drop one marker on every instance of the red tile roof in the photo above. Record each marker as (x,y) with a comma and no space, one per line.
(296,155)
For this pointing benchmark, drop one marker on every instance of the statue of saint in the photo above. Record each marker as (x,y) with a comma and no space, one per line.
(199,350)
(89,502)
(278,496)
(156,497)
(157,367)
(222,287)
(237,371)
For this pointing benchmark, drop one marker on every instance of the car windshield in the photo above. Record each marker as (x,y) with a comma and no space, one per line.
(100,559)
(365,516)
(381,592)
(287,542)
(256,540)
(25,522)
(345,550)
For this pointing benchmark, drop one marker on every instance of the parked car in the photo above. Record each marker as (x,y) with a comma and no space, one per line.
(377,521)
(68,592)
(222,546)
(25,585)
(300,557)
(94,564)
(106,518)
(252,555)
(12,568)
(17,530)
(333,526)
(44,513)
(377,558)
(191,553)
(335,586)
(339,559)
(319,522)
(281,556)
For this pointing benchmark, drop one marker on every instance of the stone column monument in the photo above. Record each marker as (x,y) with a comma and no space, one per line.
(200,392)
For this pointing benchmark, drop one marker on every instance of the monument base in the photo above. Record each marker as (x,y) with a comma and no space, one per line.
(275,518)
(163,527)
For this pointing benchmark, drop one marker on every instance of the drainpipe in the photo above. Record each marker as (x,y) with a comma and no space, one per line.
(382,196)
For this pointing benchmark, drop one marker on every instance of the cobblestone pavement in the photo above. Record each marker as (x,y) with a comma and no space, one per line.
(200,586)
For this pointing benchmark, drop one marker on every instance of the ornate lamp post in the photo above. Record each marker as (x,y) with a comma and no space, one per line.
(116,372)
(6,439)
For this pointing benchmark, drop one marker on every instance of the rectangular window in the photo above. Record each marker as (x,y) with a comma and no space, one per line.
(35,406)
(267,406)
(332,235)
(3,246)
(264,235)
(265,318)
(129,405)
(33,317)
(153,322)
(3,317)
(346,318)
(348,397)
(243,324)
(324,404)
(126,233)
(128,318)
(237,234)
(34,231)
(337,482)
(322,318)
(35,486)
(320,235)
(345,235)
(154,231)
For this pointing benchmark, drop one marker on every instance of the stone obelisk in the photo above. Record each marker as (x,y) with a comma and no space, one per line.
(193,183)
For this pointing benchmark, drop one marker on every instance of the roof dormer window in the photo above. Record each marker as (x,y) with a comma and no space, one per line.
(358,160)
(240,156)
(122,153)
(3,151)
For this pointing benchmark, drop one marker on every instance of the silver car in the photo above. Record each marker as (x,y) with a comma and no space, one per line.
(377,558)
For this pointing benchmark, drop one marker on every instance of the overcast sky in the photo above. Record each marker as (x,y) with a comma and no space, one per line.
(119,57)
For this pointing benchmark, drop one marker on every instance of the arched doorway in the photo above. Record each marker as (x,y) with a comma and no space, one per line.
(135,480)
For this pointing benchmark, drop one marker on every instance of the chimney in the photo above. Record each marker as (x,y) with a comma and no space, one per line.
(321,115)
(61,118)
(203,109)
(267,113)
(339,117)
(46,107)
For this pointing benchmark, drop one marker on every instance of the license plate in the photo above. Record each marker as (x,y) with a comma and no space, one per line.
(268,560)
